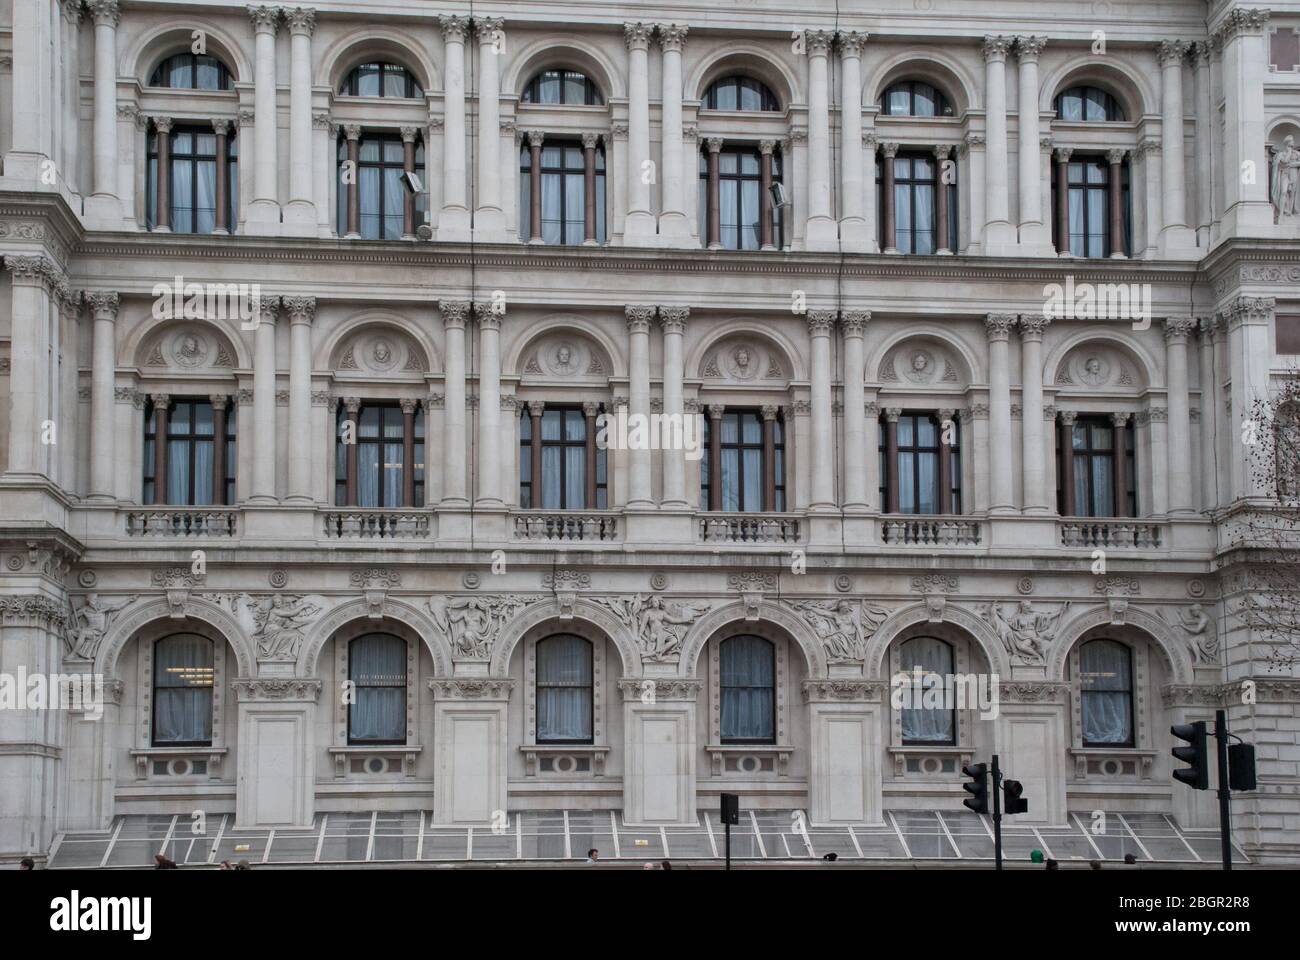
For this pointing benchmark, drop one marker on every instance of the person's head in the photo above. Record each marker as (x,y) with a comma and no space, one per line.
(1053,865)
(666,865)
(1288,141)
(227,865)
(1093,365)
(1095,864)
(1130,858)
(920,361)
(1026,606)
(563,355)
(832,856)
(26,863)
(593,854)
(742,357)
(242,865)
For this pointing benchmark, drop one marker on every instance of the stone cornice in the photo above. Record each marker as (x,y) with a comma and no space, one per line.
(651,690)
(289,689)
(471,688)
(840,691)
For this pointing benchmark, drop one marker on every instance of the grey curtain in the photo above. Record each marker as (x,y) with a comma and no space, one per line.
(182,680)
(564,694)
(368,202)
(378,671)
(933,725)
(747,687)
(182,186)
(367,474)
(1106,690)
(178,471)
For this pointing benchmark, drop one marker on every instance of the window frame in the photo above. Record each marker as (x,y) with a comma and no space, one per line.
(160,78)
(952,712)
(769,101)
(352,740)
(149,668)
(419,451)
(148,460)
(950,499)
(1130,466)
(563,172)
(194,159)
(723,739)
(351,81)
(382,138)
(525,431)
(592,95)
(1131,693)
(538,687)
(597,746)
(778,451)
(944,108)
(1113,108)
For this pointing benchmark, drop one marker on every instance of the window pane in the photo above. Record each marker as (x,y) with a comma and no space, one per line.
(368,80)
(564,689)
(932,657)
(747,688)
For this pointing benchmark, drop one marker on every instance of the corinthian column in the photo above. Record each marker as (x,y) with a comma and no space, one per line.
(638,328)
(301,209)
(639,223)
(673,320)
(1033,231)
(672,218)
(998,231)
(1174,233)
(107,15)
(454,314)
(264,371)
(853,226)
(453,222)
(302,311)
(489,405)
(103,367)
(997,327)
(820,324)
(1177,331)
(265,208)
(489,220)
(1033,475)
(820,230)
(856,454)
(1210,416)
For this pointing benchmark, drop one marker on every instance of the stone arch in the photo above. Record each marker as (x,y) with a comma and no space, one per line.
(393,609)
(150,47)
(1121,80)
(329,350)
(213,349)
(536,614)
(521,350)
(935,67)
(1157,632)
(786,350)
(1284,126)
(574,52)
(131,351)
(356,46)
(146,611)
(751,60)
(968,366)
(977,630)
(1148,369)
(796,629)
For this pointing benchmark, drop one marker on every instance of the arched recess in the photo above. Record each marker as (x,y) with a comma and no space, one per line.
(1151,628)
(795,628)
(1149,371)
(187,346)
(788,352)
(132,349)
(1281,127)
(399,611)
(329,350)
(573,52)
(936,68)
(968,366)
(141,614)
(975,628)
(536,614)
(521,350)
(374,43)
(1126,84)
(748,60)
(149,48)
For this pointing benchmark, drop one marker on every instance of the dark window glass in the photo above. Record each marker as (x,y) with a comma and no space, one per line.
(191,71)
(193,178)
(564,198)
(1087,104)
(377,669)
(739,93)
(747,690)
(564,690)
(564,462)
(190,447)
(182,691)
(917,178)
(915,98)
(562,87)
(381,160)
(1093,441)
(740,194)
(380,80)
(920,445)
(742,466)
(922,659)
(379,431)
(1106,693)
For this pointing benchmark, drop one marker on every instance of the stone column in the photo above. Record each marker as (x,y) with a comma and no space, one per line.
(1177,331)
(1115,197)
(72,94)
(301,209)
(264,373)
(535,139)
(589,232)
(163,131)
(891,458)
(352,132)
(1033,230)
(821,233)
(1063,201)
(1243,38)
(869,209)
(161,405)
(997,327)
(888,151)
(489,407)
(856,452)
(638,328)
(640,222)
(454,314)
(107,15)
(1068,508)
(1206,143)
(1250,352)
(853,226)
(942,213)
(998,230)
(765,225)
(768,413)
(323,152)
(408,405)
(302,312)
(1033,474)
(590,410)
(1210,416)
(489,220)
(1157,421)
(672,217)
(453,222)
(103,368)
(408,164)
(221,128)
(673,320)
(219,402)
(820,324)
(1119,461)
(715,216)
(871,448)
(32,280)
(265,208)
(1174,232)
(352,405)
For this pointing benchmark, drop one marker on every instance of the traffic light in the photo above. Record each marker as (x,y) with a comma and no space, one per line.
(1012,801)
(1241,766)
(730,812)
(1196,776)
(979,787)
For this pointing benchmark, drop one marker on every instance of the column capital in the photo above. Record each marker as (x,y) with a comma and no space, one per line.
(300,309)
(998,326)
(221,126)
(535,138)
(105,12)
(854,322)
(72,10)
(1115,156)
(1032,326)
(162,124)
(1209,327)
(590,141)
(409,133)
(766,147)
(995,48)
(889,149)
(1145,147)
(851,43)
(820,322)
(637,35)
(1119,419)
(489,315)
(454,313)
(673,319)
(489,29)
(1046,143)
(590,408)
(351,404)
(714,144)
(321,120)
(1028,48)
(1171,52)
(408,404)
(219,401)
(672,36)
(892,414)
(161,401)
(301,20)
(103,303)
(265,19)
(32,271)
(267,309)
(1178,329)
(1199,54)
(1063,154)
(536,408)
(352,131)
(818,42)
(716,410)
(942,152)
(639,317)
(1249,310)
(769,411)
(454,28)
(1069,416)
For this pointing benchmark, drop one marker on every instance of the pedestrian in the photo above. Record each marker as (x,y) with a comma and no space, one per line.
(1129,858)
(26,863)
(162,863)
(593,855)
(1095,864)
(242,865)
(1053,865)
(666,865)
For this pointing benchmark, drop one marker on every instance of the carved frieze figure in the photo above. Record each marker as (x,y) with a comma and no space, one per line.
(843,625)
(659,625)
(282,624)
(89,624)
(1198,629)
(471,623)
(1026,633)
(1286,182)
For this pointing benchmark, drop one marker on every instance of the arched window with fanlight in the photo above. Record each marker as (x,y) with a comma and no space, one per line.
(191,71)
(747,690)
(564,690)
(562,86)
(915,98)
(380,79)
(377,671)
(1106,693)
(1088,104)
(740,93)
(927,662)
(182,691)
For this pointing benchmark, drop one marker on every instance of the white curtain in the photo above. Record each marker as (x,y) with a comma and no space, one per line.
(921,724)
(182,690)
(182,186)
(178,471)
(378,671)
(368,201)
(564,694)
(367,474)
(1105,680)
(747,685)
(203,472)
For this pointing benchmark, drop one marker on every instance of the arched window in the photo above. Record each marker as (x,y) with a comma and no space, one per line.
(562,86)
(739,93)
(747,689)
(915,98)
(182,691)
(377,669)
(191,71)
(1087,104)
(924,722)
(1106,693)
(564,690)
(380,80)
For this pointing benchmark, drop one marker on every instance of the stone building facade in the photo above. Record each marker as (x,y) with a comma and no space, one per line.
(303,462)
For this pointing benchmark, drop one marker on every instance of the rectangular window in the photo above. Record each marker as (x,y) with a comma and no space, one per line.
(1093,455)
(563,451)
(918,469)
(564,197)
(743,464)
(380,440)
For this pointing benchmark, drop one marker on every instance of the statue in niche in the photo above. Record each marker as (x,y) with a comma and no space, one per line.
(563,362)
(1094,372)
(920,367)
(743,365)
(1286,182)
(189,350)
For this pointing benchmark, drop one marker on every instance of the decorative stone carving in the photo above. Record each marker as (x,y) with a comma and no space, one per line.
(471,688)
(1198,630)
(844,626)
(471,624)
(752,581)
(815,691)
(1117,585)
(566,356)
(1095,366)
(375,577)
(276,688)
(935,583)
(1193,694)
(382,352)
(659,625)
(656,689)
(88,622)
(1026,633)
(566,580)
(742,360)
(1285,193)
(918,362)
(1031,691)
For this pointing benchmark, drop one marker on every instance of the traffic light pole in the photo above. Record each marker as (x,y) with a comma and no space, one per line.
(1225,791)
(997,814)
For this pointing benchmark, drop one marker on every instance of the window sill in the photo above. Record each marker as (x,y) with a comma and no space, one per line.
(179,760)
(928,761)
(1112,762)
(749,758)
(347,758)
(559,759)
